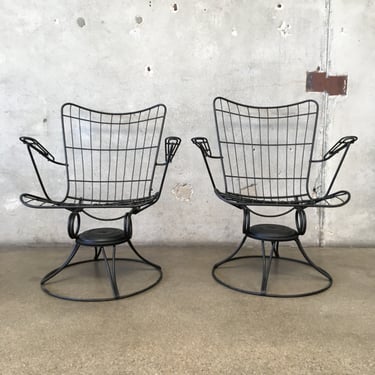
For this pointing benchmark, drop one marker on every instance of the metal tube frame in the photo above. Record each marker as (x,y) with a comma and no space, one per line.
(110,266)
(111,161)
(300,221)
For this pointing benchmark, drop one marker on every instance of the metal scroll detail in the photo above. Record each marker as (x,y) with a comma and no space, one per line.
(74,223)
(300,218)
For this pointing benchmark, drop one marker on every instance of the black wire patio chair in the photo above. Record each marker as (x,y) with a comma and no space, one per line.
(266,156)
(112,161)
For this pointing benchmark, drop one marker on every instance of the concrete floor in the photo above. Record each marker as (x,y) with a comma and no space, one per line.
(187,324)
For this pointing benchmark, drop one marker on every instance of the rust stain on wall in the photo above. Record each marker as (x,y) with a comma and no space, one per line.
(321,82)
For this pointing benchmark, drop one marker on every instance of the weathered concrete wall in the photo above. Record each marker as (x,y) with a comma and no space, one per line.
(125,55)
(352,41)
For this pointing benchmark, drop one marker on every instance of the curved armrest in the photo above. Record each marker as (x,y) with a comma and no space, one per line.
(203,144)
(341,144)
(32,143)
(337,199)
(171,146)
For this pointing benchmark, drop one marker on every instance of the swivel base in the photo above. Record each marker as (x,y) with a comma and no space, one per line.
(272,275)
(101,277)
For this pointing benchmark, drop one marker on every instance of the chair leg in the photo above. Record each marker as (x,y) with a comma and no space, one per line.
(275,246)
(142,257)
(267,262)
(110,266)
(312,264)
(230,256)
(56,271)
(111,271)
(97,252)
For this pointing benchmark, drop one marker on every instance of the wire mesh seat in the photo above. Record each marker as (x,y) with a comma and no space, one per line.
(111,161)
(266,156)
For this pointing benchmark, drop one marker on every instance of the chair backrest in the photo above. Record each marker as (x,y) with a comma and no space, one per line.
(266,151)
(111,156)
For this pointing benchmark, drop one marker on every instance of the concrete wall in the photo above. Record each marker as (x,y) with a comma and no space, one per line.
(124,55)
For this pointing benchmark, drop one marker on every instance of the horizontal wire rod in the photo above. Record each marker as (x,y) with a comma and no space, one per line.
(113,123)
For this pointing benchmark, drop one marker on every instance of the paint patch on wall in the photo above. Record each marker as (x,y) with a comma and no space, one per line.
(183,192)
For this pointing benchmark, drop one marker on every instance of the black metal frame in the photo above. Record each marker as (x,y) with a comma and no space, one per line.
(111,161)
(266,156)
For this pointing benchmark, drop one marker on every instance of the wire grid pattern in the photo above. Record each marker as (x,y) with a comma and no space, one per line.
(266,151)
(111,156)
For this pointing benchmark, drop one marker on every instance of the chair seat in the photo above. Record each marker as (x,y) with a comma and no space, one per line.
(102,237)
(272,232)
(34,201)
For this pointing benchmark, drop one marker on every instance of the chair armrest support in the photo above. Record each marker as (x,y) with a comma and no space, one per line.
(342,144)
(171,146)
(32,143)
(203,144)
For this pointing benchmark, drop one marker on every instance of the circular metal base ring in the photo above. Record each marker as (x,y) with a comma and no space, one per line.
(44,284)
(324,274)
